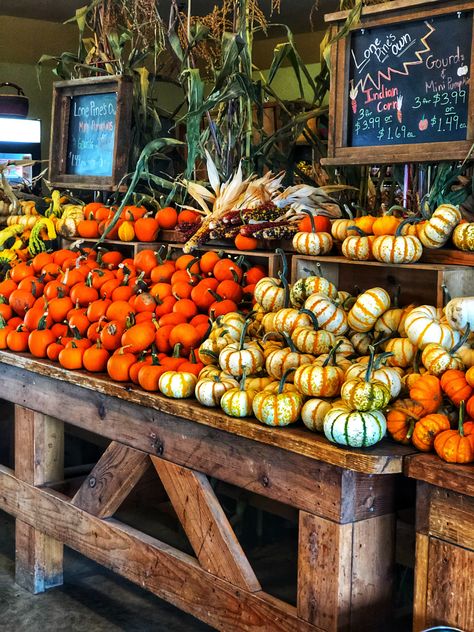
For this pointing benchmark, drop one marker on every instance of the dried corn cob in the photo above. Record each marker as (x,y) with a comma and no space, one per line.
(249,230)
(282,231)
(264,213)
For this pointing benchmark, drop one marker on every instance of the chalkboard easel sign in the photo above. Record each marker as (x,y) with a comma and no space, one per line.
(401,84)
(90,132)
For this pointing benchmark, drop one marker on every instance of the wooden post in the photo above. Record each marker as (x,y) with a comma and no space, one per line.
(39,458)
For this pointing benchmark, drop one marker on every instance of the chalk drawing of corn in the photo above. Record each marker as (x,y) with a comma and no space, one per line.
(353,96)
(399,109)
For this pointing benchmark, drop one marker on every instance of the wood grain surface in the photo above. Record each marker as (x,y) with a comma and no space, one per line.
(431,469)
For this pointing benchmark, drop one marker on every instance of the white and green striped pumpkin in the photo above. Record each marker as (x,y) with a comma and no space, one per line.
(356,429)
(319,380)
(241,356)
(369,306)
(365,393)
(390,376)
(237,402)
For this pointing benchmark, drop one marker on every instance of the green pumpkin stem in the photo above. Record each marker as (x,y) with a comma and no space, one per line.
(446,294)
(462,414)
(284,377)
(3,322)
(411,428)
(312,316)
(289,342)
(243,333)
(284,262)
(358,230)
(243,380)
(177,350)
(409,220)
(370,365)
(463,339)
(416,361)
(381,359)
(332,354)
(42,321)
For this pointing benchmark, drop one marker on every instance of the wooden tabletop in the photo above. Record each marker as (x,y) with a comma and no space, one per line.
(384,458)
(431,469)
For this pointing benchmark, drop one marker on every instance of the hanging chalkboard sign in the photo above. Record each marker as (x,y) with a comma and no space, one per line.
(90,132)
(400,84)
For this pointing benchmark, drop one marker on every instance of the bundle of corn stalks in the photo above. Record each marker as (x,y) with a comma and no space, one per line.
(255,206)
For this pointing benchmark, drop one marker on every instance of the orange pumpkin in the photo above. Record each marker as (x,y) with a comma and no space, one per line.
(147,229)
(456,446)
(401,419)
(454,384)
(88,228)
(118,365)
(71,357)
(138,337)
(167,218)
(426,430)
(95,358)
(427,392)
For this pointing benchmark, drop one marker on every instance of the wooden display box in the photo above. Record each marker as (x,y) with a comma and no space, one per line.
(420,283)
(444,565)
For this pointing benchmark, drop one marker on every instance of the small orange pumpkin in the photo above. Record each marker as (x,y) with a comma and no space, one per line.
(426,430)
(457,446)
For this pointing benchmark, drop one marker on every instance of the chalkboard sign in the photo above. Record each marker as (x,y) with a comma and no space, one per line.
(90,132)
(401,90)
(91,138)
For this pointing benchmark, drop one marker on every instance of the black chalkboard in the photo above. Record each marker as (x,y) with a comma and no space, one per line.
(409,82)
(91,134)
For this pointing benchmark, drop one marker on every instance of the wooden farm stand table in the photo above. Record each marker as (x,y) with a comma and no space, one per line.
(444,567)
(345,500)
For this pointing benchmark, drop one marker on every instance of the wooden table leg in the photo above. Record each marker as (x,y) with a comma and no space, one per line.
(39,459)
(345,572)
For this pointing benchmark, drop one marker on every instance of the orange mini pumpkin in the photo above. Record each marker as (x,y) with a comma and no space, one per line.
(426,430)
(457,446)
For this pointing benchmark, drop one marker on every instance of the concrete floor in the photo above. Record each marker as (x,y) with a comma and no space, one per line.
(92,599)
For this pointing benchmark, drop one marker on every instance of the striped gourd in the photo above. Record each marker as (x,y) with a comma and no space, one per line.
(397,249)
(426,324)
(357,248)
(436,232)
(369,306)
(356,429)
(329,315)
(312,243)
(313,413)
(463,237)
(403,352)
(303,288)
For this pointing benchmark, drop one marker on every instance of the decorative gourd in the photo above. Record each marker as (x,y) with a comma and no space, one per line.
(345,347)
(466,352)
(457,446)
(240,356)
(385,225)
(209,390)
(232,323)
(369,306)
(436,232)
(313,413)
(287,319)
(209,371)
(273,294)
(355,429)
(402,350)
(463,237)
(361,342)
(455,385)
(367,393)
(177,385)
(390,376)
(436,359)
(281,360)
(339,228)
(358,247)
(389,322)
(313,243)
(460,313)
(328,314)
(425,324)
(397,248)
(303,288)
(126,231)
(259,383)
(287,388)
(401,419)
(426,429)
(311,339)
(319,381)
(470,376)
(237,402)
(426,391)
(278,409)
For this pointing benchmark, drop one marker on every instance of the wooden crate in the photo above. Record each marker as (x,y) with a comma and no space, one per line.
(420,283)
(444,564)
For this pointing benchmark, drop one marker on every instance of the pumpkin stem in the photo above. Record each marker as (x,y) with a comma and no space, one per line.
(411,428)
(332,353)
(409,220)
(289,342)
(311,219)
(446,294)
(284,263)
(284,378)
(243,333)
(462,413)
(370,365)
(348,210)
(312,316)
(381,359)
(211,354)
(396,296)
(75,333)
(272,333)
(463,339)
(358,230)
(285,285)
(3,322)
(192,357)
(243,380)
(42,321)
(218,297)
(177,350)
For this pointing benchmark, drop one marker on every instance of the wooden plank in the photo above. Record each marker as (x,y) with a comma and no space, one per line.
(421,582)
(384,458)
(449,594)
(324,572)
(394,5)
(447,256)
(39,454)
(373,546)
(112,479)
(451,517)
(206,525)
(431,469)
(149,563)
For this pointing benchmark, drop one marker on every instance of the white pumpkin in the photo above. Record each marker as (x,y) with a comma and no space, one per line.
(460,312)
(426,324)
(329,315)
(390,376)
(313,413)
(209,391)
(354,428)
(436,232)
(369,306)
(313,243)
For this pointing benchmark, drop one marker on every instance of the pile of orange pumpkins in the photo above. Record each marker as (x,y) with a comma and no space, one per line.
(136,223)
(132,318)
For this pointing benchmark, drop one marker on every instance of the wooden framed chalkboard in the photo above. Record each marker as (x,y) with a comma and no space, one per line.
(90,132)
(401,84)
